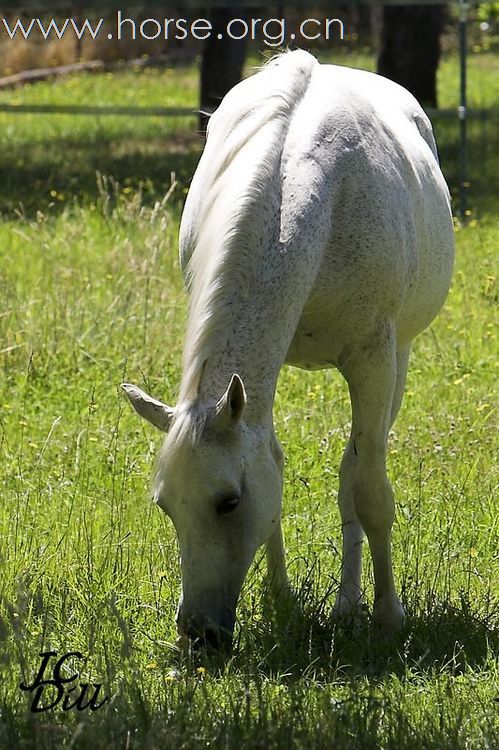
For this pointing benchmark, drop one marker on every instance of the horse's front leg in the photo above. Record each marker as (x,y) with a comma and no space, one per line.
(375,377)
(276,566)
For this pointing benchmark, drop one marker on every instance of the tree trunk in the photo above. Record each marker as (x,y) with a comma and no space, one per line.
(222,63)
(410,48)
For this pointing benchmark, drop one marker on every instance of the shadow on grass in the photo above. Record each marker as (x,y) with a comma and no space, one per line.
(294,680)
(438,637)
(482,163)
(47,175)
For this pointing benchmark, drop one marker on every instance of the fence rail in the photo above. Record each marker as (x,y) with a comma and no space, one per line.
(103,111)
(76,109)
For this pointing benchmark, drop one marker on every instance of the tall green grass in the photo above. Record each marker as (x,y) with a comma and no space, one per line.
(90,295)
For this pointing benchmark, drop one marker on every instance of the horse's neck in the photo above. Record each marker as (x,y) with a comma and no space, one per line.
(250,324)
(253,346)
(251,272)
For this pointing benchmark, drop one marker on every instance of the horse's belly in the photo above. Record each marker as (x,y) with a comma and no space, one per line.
(313,350)
(348,318)
(324,336)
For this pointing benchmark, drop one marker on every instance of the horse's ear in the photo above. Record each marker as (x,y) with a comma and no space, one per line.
(230,408)
(158,414)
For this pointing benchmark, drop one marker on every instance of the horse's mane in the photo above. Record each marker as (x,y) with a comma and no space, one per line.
(244,145)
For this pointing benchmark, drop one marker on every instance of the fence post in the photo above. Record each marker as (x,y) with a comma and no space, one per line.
(462,111)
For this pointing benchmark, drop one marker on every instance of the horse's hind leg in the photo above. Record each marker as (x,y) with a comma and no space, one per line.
(349,597)
(376,379)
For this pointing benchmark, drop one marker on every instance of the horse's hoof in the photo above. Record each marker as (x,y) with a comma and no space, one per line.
(389,615)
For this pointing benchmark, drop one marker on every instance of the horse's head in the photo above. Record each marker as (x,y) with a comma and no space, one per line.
(220,481)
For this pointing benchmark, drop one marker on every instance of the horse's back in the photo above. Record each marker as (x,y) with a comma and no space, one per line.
(360,161)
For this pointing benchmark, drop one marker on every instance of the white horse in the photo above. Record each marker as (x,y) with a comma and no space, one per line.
(317,232)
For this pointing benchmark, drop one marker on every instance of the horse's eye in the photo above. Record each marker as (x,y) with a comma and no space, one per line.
(227,505)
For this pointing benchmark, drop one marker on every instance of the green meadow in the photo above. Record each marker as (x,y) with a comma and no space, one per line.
(91,295)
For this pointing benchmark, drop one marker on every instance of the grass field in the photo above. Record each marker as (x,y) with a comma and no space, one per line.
(91,295)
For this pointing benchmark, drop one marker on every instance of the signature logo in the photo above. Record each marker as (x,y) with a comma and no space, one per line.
(48,692)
